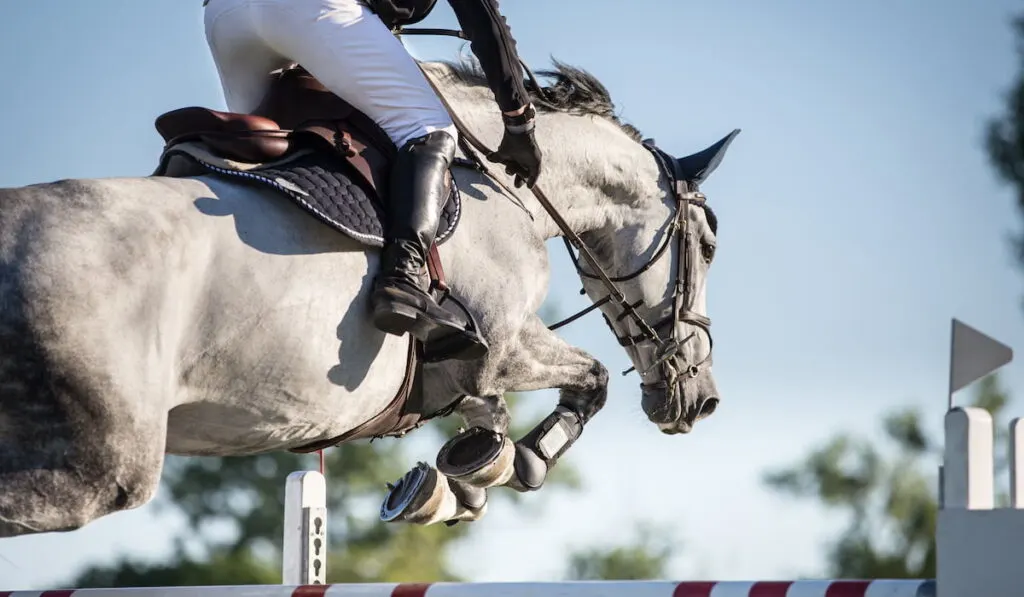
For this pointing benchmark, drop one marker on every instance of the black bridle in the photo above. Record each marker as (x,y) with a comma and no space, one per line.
(685,192)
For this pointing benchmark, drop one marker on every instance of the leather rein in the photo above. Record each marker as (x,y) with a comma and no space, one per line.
(685,194)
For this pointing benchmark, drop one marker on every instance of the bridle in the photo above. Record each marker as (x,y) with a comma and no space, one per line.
(685,193)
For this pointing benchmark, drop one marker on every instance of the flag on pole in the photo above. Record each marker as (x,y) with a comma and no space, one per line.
(973,355)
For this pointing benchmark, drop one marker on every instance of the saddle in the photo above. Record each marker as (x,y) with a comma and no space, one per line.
(298,112)
(342,163)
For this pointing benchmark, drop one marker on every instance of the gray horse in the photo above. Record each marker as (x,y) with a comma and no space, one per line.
(196,315)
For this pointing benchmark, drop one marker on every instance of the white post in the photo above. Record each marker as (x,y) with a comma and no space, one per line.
(304,551)
(1017,463)
(968,464)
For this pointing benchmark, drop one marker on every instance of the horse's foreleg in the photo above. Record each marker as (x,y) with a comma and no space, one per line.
(483,456)
(547,361)
(426,496)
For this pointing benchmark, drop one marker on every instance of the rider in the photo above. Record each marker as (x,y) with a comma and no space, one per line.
(349,46)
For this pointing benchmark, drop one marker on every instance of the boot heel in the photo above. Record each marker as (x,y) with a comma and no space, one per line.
(398,319)
(394,319)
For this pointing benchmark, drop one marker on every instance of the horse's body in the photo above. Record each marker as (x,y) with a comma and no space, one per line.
(198,316)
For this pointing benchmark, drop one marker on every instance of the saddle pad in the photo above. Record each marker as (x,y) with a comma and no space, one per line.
(322,185)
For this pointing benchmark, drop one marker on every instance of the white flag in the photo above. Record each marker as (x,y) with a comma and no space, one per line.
(974,355)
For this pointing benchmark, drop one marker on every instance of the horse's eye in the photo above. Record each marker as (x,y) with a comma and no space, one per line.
(709,252)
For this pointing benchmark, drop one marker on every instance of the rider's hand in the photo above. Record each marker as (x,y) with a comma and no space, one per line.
(518,151)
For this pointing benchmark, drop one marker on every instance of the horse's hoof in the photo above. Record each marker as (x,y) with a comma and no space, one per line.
(425,496)
(478,457)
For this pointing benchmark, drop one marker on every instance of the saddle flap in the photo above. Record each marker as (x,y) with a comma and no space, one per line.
(338,138)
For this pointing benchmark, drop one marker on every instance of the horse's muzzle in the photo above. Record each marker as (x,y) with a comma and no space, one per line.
(678,411)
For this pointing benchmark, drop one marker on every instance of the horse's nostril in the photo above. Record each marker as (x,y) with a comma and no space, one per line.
(707,407)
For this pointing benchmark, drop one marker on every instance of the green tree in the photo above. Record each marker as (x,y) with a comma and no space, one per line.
(1005,135)
(645,556)
(888,497)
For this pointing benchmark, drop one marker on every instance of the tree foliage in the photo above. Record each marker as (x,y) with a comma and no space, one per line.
(644,557)
(886,491)
(1004,139)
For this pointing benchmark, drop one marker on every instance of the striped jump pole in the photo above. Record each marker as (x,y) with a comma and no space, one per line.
(801,588)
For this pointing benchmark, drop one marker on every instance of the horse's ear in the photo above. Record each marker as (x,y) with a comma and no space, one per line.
(697,167)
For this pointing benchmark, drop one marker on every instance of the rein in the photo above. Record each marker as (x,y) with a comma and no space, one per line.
(678,229)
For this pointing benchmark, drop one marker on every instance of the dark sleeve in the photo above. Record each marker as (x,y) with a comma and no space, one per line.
(492,43)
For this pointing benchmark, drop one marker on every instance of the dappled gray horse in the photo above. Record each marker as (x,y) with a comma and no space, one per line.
(194,313)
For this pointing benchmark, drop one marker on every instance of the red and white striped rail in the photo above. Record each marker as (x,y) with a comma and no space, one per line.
(800,588)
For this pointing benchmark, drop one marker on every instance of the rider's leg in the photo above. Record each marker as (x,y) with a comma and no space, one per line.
(242,58)
(419,186)
(348,49)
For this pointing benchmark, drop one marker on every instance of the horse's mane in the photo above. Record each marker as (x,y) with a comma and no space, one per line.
(573,91)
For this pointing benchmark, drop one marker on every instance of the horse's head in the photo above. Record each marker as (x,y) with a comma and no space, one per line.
(645,233)
(659,259)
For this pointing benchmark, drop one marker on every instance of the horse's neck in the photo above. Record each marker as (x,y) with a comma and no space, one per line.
(593,173)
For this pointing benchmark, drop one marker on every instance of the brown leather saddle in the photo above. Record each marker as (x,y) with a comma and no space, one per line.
(299,114)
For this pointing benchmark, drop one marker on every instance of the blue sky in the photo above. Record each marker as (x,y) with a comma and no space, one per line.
(858,215)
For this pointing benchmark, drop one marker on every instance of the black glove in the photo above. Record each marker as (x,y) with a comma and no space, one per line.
(518,151)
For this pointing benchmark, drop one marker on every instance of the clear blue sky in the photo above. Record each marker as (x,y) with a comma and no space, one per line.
(858,215)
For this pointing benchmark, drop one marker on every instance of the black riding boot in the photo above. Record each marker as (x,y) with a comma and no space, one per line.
(418,190)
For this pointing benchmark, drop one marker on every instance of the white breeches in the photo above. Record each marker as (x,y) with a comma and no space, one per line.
(340,42)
